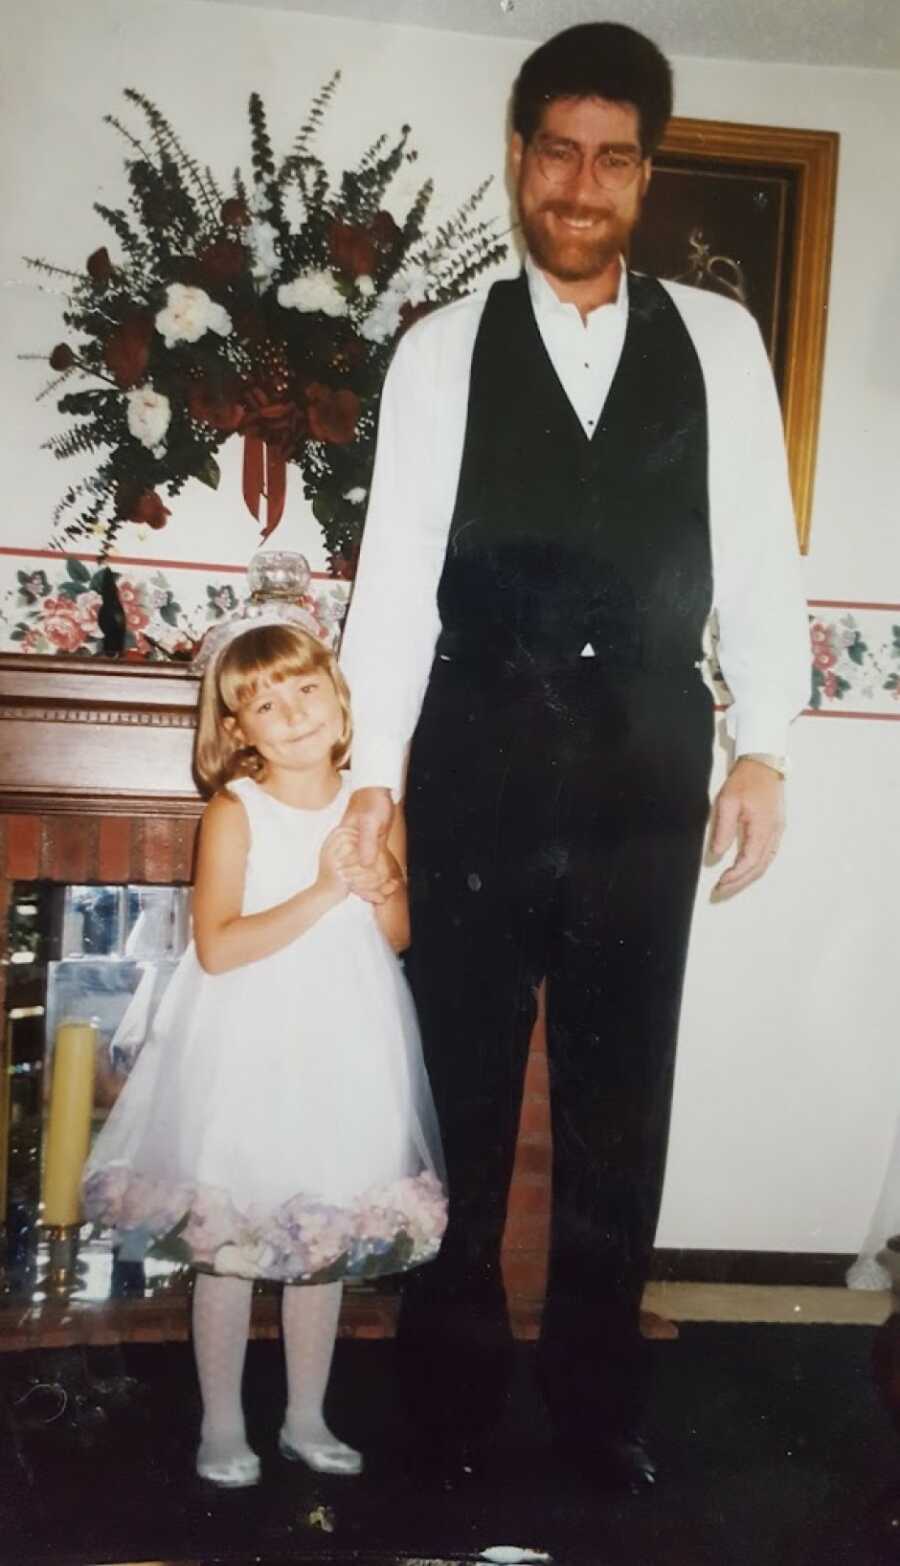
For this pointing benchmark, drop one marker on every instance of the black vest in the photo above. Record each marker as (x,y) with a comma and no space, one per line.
(558,540)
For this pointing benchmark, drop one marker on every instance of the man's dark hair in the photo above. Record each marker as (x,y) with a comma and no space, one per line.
(596,60)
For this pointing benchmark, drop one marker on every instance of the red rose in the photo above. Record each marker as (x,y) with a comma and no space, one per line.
(127,349)
(825,658)
(143,506)
(352,249)
(149,509)
(99,267)
(62,357)
(333,415)
(234,213)
(222,261)
(384,231)
(216,409)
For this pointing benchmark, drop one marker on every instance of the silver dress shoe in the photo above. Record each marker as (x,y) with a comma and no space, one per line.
(232,1473)
(323,1457)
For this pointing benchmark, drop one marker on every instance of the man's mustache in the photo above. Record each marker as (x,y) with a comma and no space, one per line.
(564,209)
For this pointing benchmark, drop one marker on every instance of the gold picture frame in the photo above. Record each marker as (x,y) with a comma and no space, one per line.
(749,210)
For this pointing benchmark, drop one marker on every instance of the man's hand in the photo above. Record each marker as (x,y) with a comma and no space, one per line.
(370,812)
(749,809)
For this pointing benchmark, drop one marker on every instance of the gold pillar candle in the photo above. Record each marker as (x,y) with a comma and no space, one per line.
(68,1132)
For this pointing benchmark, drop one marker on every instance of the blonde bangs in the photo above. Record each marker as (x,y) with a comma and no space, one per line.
(272,653)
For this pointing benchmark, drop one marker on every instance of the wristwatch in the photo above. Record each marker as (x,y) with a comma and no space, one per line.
(777,763)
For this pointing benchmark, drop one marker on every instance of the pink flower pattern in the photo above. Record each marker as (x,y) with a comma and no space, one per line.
(60,615)
(389,1228)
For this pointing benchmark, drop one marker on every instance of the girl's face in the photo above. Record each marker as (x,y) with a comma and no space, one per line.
(294,724)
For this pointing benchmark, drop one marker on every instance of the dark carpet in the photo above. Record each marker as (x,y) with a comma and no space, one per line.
(773,1447)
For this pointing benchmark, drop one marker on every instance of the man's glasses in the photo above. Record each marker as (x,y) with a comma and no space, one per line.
(613,168)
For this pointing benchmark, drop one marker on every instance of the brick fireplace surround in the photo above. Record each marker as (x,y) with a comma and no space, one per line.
(95,785)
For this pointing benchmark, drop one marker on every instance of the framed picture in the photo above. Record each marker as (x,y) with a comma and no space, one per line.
(748,210)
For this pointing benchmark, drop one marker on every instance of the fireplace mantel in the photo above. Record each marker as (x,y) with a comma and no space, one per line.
(96,736)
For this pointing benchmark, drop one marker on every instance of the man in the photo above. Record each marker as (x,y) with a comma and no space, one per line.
(571,473)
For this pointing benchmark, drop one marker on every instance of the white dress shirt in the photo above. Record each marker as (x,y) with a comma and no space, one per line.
(393,621)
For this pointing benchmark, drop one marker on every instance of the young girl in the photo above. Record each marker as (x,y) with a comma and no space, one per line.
(278,1122)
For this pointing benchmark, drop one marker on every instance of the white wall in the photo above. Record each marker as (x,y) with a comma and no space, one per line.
(789,1082)
(789,1074)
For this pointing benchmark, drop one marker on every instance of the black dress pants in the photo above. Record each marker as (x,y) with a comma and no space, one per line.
(556,821)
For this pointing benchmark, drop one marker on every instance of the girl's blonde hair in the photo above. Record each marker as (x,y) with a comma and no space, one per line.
(271,652)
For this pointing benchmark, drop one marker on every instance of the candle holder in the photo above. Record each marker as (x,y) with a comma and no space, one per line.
(64,1272)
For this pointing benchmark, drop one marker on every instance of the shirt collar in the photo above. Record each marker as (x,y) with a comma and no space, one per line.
(546,302)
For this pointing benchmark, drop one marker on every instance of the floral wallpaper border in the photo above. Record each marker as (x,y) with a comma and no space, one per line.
(49,604)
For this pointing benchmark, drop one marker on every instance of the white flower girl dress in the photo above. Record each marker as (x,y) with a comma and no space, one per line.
(278,1122)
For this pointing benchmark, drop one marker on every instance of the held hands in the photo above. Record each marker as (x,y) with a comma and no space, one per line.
(749,810)
(339,849)
(376,882)
(368,868)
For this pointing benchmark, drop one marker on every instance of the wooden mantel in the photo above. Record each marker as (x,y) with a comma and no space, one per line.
(96,736)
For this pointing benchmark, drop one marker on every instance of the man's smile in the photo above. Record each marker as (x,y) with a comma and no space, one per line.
(579,222)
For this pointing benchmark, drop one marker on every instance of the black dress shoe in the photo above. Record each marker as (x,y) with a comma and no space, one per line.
(615,1462)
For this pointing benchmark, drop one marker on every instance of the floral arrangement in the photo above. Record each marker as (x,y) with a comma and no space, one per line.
(390,1228)
(269,312)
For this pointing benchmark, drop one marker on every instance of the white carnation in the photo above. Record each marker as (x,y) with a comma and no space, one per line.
(356,496)
(188,314)
(383,320)
(365,285)
(149,415)
(262,239)
(313,291)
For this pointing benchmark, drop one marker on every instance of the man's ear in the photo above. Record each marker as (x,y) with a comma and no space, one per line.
(516,154)
(646,174)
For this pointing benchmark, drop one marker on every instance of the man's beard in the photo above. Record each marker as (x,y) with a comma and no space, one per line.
(573,258)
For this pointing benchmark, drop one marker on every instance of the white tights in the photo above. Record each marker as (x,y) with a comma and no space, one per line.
(221,1325)
(309,1318)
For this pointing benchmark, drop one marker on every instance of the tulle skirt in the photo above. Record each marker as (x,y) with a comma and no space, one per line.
(278,1121)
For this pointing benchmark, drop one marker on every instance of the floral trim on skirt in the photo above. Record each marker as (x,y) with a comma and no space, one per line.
(389,1228)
